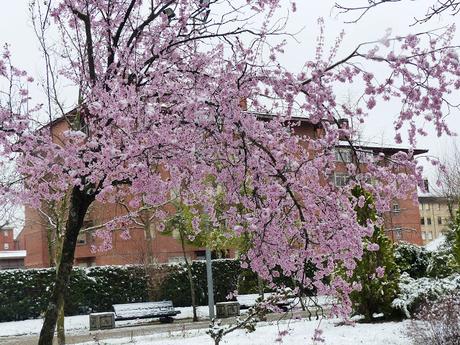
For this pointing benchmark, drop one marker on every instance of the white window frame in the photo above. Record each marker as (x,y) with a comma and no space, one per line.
(343,154)
(341,179)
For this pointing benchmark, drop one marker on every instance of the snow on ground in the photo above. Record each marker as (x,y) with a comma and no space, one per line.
(74,324)
(80,323)
(299,332)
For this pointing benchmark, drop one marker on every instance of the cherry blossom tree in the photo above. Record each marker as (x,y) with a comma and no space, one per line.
(160,84)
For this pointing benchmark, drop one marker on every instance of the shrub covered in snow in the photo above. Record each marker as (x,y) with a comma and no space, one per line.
(411,259)
(441,264)
(437,323)
(415,292)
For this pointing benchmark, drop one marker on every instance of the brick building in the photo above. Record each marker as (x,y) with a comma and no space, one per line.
(10,254)
(402,224)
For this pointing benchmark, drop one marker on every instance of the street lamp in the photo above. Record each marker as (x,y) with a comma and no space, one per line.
(210,284)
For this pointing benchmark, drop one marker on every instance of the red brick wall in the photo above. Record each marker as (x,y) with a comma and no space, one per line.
(134,250)
(7,241)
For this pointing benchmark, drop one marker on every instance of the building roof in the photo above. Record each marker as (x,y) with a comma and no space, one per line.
(432,199)
(13,254)
(376,147)
(393,148)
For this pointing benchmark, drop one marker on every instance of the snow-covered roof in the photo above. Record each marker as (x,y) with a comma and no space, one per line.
(13,254)
(374,146)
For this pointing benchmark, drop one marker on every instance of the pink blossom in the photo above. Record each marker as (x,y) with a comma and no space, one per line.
(380,271)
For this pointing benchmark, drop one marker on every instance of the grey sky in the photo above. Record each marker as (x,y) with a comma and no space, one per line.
(16,29)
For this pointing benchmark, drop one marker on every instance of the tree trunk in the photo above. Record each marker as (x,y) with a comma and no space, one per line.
(260,287)
(79,203)
(150,265)
(61,305)
(60,322)
(190,278)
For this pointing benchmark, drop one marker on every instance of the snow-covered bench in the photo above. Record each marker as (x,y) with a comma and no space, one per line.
(131,311)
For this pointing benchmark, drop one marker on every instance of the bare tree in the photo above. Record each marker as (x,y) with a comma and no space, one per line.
(448,176)
(451,7)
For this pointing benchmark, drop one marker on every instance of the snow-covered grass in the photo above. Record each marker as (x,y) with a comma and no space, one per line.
(298,332)
(80,323)
(74,324)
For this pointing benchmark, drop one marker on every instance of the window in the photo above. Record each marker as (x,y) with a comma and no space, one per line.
(81,239)
(6,246)
(439,220)
(396,208)
(398,233)
(430,235)
(428,221)
(365,156)
(343,155)
(422,221)
(423,235)
(426,185)
(5,233)
(341,179)
(200,254)
(176,259)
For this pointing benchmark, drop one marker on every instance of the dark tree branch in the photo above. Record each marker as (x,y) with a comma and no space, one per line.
(439,7)
(89,43)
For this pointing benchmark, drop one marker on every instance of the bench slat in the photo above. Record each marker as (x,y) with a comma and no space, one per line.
(144,310)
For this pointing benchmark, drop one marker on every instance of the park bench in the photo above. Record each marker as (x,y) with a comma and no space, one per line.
(164,310)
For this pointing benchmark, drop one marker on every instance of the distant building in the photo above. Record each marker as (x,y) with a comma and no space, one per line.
(10,254)
(7,241)
(435,217)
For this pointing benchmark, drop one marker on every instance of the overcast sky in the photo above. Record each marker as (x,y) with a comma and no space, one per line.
(16,29)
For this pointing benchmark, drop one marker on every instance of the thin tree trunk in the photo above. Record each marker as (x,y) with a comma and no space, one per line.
(152,288)
(260,287)
(79,203)
(60,322)
(190,278)
(61,304)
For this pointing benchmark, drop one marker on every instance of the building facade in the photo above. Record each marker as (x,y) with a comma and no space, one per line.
(10,254)
(435,217)
(143,244)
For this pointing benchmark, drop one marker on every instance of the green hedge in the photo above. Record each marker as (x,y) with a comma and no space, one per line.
(24,293)
(225,276)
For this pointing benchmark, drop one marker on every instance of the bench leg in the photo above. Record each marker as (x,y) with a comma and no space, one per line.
(166,319)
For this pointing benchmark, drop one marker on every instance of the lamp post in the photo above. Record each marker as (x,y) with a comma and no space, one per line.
(210,284)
